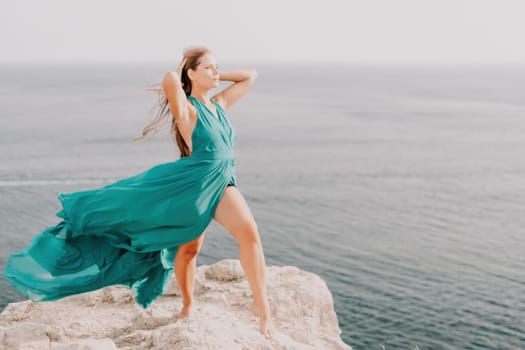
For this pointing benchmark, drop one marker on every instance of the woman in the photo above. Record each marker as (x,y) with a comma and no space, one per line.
(133,231)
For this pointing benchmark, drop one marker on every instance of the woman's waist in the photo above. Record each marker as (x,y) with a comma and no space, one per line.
(213,154)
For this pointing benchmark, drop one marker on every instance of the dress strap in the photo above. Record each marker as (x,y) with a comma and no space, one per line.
(196,103)
(211,99)
(202,105)
(215,103)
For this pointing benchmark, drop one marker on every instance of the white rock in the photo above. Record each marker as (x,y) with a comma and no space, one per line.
(26,332)
(89,344)
(301,305)
(225,270)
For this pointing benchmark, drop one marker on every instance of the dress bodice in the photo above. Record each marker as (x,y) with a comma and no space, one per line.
(213,136)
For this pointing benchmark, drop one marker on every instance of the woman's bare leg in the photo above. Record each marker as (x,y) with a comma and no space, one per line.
(235,216)
(185,265)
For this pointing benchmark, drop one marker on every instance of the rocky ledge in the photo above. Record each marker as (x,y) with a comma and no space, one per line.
(302,309)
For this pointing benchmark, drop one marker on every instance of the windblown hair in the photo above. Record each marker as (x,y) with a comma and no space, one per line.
(193,56)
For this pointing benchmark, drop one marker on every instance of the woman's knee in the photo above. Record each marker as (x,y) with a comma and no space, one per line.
(247,232)
(190,250)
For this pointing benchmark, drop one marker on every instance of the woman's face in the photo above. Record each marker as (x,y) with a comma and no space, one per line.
(207,72)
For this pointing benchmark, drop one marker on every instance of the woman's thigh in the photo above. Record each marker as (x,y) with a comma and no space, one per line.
(234,214)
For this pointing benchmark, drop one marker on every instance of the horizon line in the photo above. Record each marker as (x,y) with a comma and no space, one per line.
(266,62)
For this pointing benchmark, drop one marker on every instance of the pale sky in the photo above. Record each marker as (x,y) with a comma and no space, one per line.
(406,31)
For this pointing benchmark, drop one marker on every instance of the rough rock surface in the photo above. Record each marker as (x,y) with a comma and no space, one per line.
(302,309)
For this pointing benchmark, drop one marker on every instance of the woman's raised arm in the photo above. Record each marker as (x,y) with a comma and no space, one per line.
(175,94)
(243,81)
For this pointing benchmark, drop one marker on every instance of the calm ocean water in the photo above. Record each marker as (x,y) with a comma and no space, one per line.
(401,186)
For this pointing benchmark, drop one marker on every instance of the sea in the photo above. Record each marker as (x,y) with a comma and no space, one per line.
(401,185)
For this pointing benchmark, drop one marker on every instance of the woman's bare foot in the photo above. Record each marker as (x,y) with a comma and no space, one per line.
(265,321)
(185,312)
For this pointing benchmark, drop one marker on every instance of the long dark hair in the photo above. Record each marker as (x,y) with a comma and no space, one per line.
(193,56)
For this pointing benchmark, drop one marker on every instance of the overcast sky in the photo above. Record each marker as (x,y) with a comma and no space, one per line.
(443,31)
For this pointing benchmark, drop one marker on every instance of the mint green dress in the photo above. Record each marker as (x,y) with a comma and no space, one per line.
(127,232)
